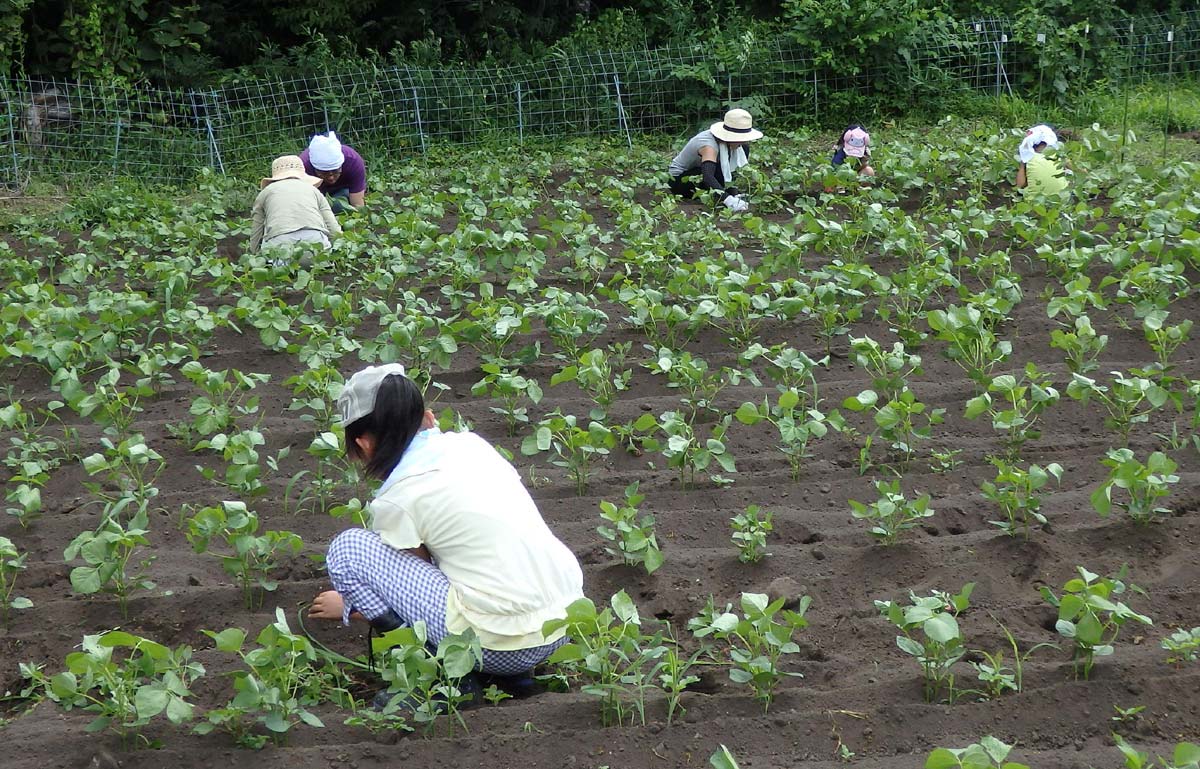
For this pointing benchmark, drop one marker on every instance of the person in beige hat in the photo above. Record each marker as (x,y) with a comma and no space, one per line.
(715,155)
(289,209)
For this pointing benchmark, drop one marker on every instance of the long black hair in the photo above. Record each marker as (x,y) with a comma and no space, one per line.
(394,422)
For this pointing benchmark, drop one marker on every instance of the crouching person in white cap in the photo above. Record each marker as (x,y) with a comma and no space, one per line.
(455,541)
(290,210)
(714,156)
(1037,173)
(342,171)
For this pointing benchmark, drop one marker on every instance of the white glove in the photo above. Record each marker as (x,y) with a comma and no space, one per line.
(736,204)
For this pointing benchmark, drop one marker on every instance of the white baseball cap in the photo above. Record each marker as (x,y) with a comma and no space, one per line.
(358,395)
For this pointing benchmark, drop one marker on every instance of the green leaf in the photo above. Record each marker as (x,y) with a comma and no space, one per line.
(625,608)
(653,560)
(722,759)
(1186,753)
(179,711)
(941,758)
(275,721)
(996,749)
(977,406)
(747,414)
(910,646)
(85,580)
(150,701)
(229,640)
(1102,500)
(942,628)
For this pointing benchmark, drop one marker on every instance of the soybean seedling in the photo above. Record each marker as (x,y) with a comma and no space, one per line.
(12,562)
(633,537)
(756,640)
(1145,484)
(940,643)
(988,753)
(750,530)
(109,554)
(252,556)
(1090,615)
(125,694)
(891,514)
(1182,646)
(1016,492)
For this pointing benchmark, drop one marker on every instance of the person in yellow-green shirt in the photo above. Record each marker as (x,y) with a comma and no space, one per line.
(1037,173)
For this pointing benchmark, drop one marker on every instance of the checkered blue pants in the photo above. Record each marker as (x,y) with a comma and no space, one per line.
(374,577)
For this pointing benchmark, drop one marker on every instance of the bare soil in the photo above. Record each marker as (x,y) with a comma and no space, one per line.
(858,689)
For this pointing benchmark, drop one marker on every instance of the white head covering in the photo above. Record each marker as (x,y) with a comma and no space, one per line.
(1034,136)
(358,395)
(325,152)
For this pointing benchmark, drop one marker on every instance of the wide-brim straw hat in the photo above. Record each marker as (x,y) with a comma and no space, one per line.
(289,167)
(738,126)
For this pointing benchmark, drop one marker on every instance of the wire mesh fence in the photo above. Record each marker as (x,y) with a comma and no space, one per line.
(54,128)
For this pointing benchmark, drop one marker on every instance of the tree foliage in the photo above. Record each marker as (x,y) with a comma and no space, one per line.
(137,41)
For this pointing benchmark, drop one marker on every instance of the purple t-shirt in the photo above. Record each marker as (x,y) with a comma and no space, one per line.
(354,172)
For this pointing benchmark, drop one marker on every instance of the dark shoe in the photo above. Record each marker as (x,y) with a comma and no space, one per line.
(517,686)
(469,686)
(386,622)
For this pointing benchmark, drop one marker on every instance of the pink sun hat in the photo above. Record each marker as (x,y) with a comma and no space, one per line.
(855,142)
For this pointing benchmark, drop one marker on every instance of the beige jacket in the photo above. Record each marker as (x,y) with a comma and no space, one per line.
(289,205)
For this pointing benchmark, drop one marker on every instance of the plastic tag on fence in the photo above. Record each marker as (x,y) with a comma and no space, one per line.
(1171,36)
(978,27)
(1041,37)
(1004,38)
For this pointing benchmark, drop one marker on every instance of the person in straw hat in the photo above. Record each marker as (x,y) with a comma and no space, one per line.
(342,171)
(715,155)
(289,209)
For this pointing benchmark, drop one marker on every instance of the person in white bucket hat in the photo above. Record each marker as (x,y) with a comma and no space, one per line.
(1037,173)
(715,155)
(289,209)
(455,540)
(342,171)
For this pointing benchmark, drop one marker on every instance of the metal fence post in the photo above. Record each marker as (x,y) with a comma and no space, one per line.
(1128,76)
(12,132)
(117,145)
(214,151)
(520,117)
(417,114)
(816,99)
(621,121)
(1170,83)
(1041,40)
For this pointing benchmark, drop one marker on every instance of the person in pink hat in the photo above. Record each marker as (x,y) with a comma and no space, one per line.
(854,143)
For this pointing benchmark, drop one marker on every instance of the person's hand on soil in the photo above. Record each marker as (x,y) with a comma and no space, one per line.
(327,605)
